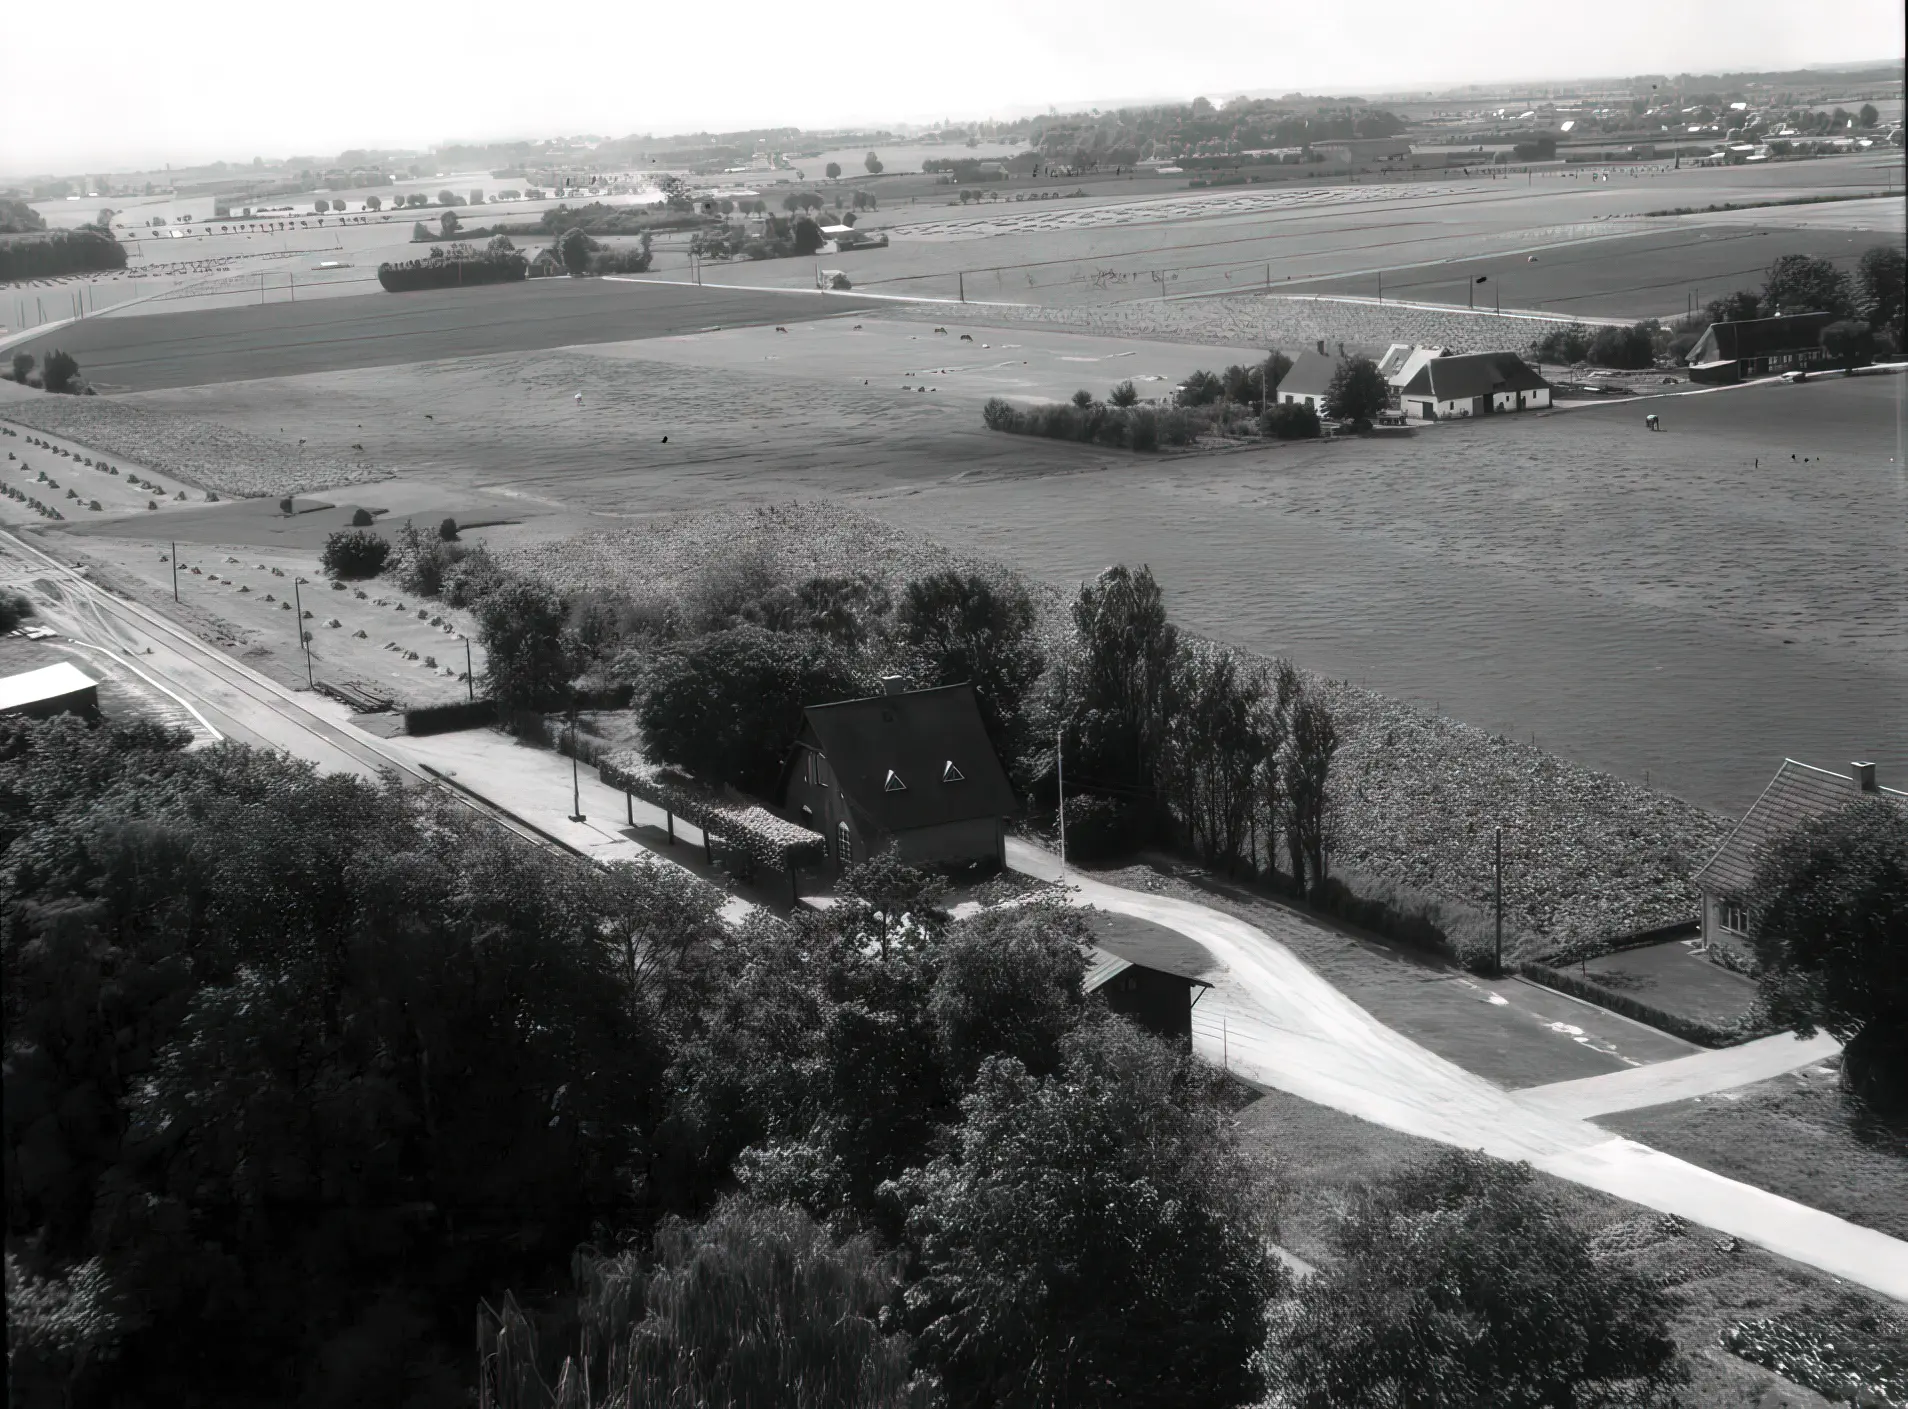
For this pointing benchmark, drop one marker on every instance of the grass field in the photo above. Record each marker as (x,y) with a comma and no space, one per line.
(284,339)
(1318,1154)
(1793,1136)
(1645,273)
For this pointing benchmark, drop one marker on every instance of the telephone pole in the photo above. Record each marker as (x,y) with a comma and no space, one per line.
(1060,768)
(175,571)
(304,637)
(1499,890)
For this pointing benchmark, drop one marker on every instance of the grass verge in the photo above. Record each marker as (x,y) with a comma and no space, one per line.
(1717,1283)
(1792,1135)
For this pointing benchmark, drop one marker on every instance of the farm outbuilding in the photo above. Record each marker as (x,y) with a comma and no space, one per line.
(1797,793)
(1759,347)
(55,689)
(1473,384)
(1145,972)
(908,769)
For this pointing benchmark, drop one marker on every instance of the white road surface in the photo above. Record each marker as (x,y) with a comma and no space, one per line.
(1275,1022)
(1659,1083)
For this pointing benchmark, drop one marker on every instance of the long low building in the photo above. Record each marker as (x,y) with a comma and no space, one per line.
(1473,384)
(55,689)
(1759,347)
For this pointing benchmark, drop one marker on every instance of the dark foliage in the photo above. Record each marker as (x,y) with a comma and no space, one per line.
(1629,348)
(727,706)
(1294,420)
(354,552)
(1089,1237)
(1357,392)
(1458,1283)
(450,272)
(48,254)
(1880,279)
(59,371)
(1800,283)
(520,623)
(1566,344)
(956,627)
(1849,342)
(1829,921)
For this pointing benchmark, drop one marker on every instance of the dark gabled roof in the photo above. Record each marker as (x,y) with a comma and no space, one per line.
(1122,942)
(1311,375)
(1760,337)
(889,755)
(1796,793)
(1472,374)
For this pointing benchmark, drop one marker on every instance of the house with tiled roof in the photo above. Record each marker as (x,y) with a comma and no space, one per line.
(1308,379)
(908,769)
(1759,347)
(1797,793)
(1145,972)
(1472,384)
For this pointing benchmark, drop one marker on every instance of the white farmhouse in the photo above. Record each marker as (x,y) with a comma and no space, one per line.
(1473,384)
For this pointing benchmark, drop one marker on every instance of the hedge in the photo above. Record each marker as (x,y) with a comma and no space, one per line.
(1703,1034)
(48,253)
(444,719)
(502,267)
(748,827)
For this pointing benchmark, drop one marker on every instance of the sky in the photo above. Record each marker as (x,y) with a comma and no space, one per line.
(140,85)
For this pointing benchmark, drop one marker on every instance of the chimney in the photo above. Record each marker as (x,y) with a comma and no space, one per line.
(1865,777)
(894,684)
(1321,347)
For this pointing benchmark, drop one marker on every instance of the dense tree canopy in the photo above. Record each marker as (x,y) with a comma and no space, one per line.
(1357,392)
(1458,1283)
(1800,283)
(958,627)
(1829,921)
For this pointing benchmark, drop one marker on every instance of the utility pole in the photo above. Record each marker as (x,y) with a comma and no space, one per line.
(304,637)
(175,571)
(962,276)
(1060,768)
(470,683)
(1499,891)
(576,785)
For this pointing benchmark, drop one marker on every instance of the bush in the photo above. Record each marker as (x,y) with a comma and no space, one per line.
(996,415)
(1124,395)
(1630,349)
(23,367)
(452,272)
(354,553)
(52,253)
(1459,1282)
(1569,345)
(361,518)
(1105,828)
(1849,342)
(59,371)
(14,609)
(1290,420)
(447,531)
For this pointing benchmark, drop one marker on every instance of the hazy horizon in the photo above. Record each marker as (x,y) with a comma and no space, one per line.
(216,84)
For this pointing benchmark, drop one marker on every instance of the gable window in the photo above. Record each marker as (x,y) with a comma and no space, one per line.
(894,783)
(1733,916)
(842,843)
(821,769)
(951,774)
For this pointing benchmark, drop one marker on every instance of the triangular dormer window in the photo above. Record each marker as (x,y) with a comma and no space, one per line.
(951,774)
(894,783)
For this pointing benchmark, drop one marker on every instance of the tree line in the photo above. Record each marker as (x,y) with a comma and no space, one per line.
(45,254)
(306,1070)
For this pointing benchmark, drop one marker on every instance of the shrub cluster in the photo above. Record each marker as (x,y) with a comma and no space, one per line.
(48,254)
(463,266)
(1127,427)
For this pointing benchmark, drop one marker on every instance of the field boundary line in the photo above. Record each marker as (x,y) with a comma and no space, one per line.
(845,293)
(1525,314)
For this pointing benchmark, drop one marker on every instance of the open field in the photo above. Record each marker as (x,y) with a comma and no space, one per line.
(1319,1155)
(1120,241)
(1645,273)
(1565,575)
(1792,1136)
(286,339)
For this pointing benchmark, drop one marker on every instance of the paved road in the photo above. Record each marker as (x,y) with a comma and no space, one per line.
(154,350)
(1274,1021)
(1702,1074)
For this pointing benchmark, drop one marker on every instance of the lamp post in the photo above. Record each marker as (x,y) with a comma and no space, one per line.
(1060,767)
(470,683)
(576,784)
(1498,963)
(298,611)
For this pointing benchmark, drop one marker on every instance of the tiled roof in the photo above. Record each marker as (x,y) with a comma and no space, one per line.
(890,756)
(1311,375)
(1121,942)
(51,682)
(1760,337)
(1473,374)
(1796,793)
